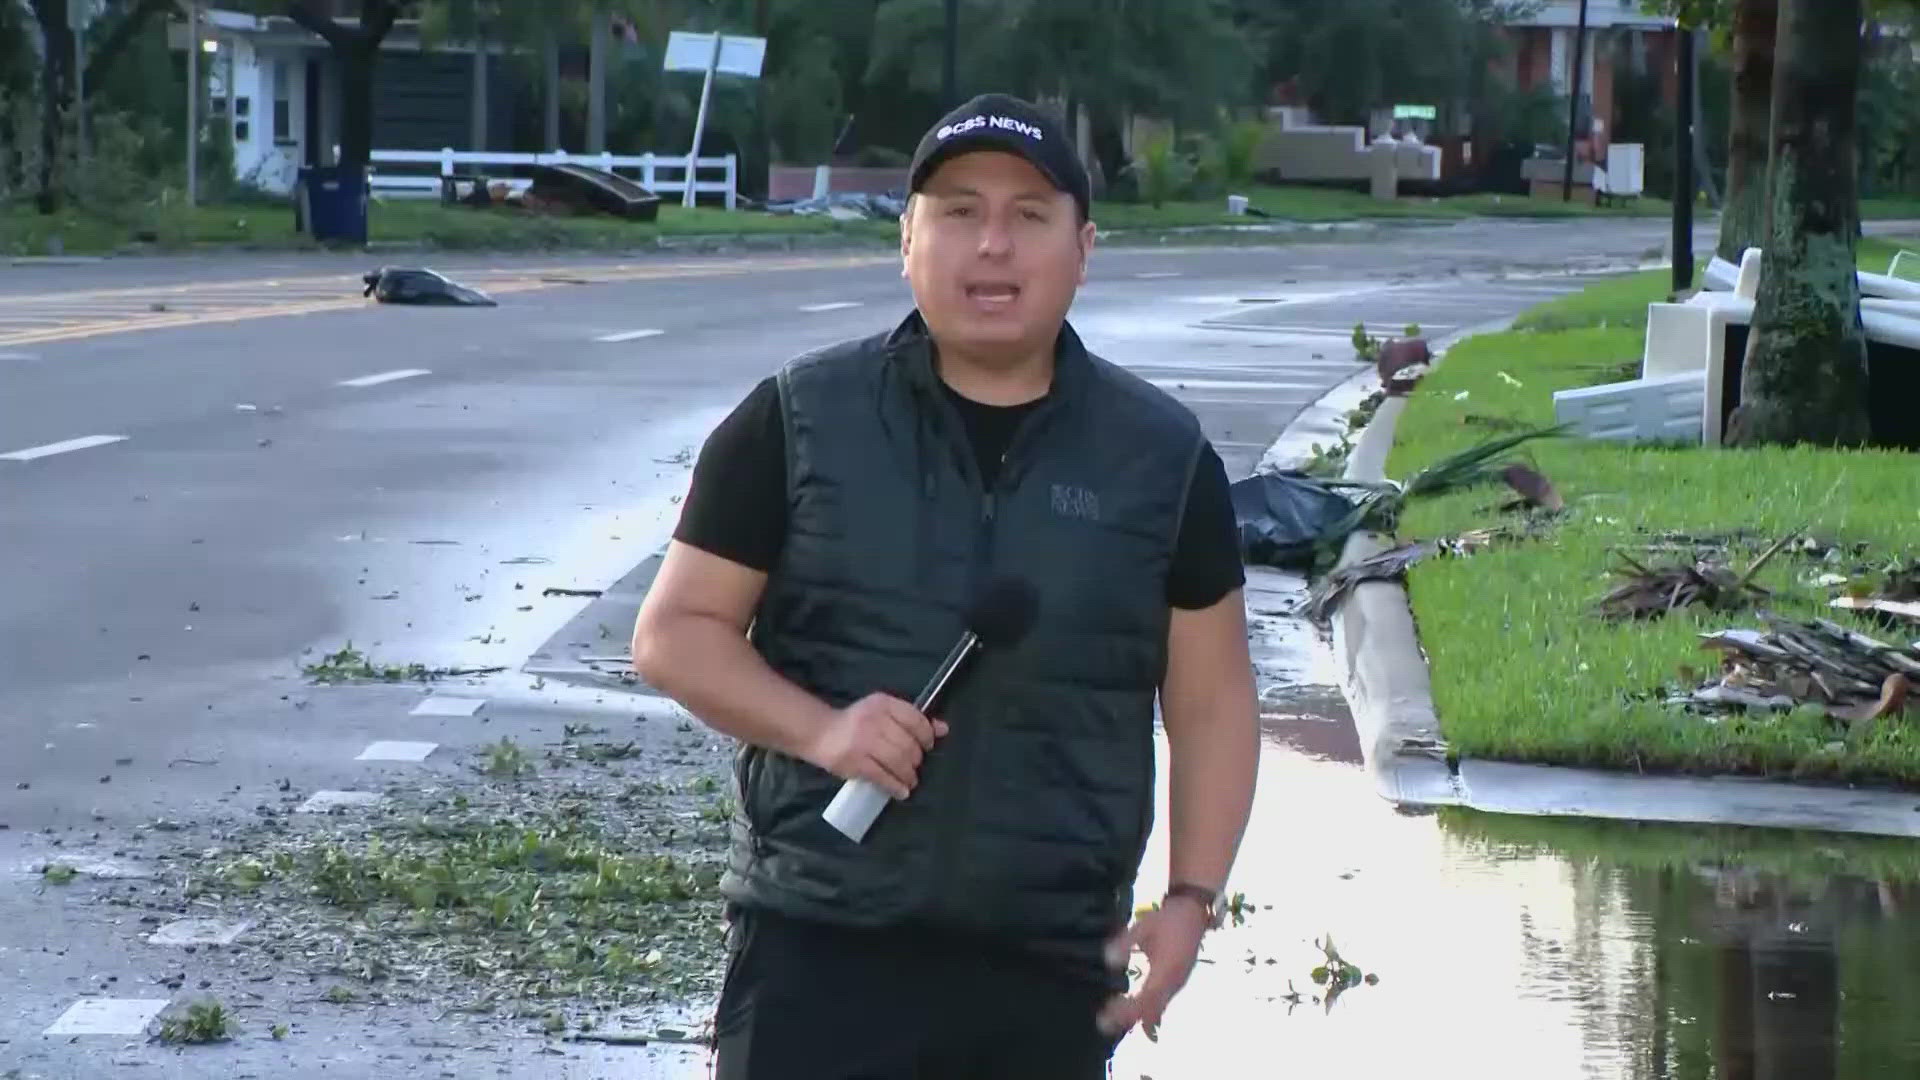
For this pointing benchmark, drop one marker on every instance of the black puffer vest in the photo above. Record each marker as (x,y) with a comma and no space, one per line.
(1031,816)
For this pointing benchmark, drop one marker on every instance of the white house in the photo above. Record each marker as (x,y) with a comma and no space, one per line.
(277,86)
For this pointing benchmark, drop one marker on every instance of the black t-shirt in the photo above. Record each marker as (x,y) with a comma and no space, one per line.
(737,505)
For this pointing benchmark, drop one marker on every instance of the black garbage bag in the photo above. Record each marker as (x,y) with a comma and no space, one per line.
(1284,517)
(407,285)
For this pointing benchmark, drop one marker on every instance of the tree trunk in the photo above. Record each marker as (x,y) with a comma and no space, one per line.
(1743,222)
(357,50)
(356,105)
(1805,379)
(56,90)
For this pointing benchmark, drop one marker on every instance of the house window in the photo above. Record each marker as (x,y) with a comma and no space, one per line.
(282,102)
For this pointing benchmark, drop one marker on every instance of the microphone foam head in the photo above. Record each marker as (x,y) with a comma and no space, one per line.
(1004,611)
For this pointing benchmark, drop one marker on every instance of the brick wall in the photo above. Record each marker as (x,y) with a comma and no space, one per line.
(1605,44)
(796,181)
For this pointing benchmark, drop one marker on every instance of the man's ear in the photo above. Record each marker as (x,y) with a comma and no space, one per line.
(1087,233)
(906,234)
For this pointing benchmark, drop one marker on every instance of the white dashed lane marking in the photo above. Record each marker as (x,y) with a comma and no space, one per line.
(833,306)
(385,377)
(108,1016)
(1149,274)
(84,443)
(397,751)
(627,335)
(445,705)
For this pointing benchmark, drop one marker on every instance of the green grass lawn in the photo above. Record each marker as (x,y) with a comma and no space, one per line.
(1521,668)
(1903,208)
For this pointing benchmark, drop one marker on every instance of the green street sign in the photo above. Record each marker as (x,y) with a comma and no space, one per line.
(1415,112)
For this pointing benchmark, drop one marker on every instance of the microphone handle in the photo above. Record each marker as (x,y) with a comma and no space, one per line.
(859,802)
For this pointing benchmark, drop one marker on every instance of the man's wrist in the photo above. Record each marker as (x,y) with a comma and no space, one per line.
(1205,898)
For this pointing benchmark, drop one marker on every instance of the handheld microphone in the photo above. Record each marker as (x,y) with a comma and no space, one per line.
(999,617)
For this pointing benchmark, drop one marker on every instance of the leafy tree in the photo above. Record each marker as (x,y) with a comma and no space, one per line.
(1349,57)
(118,23)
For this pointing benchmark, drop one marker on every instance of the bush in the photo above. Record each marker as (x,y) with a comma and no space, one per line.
(1236,151)
(1161,172)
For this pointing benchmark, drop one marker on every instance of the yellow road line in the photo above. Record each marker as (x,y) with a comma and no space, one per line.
(192,304)
(171,319)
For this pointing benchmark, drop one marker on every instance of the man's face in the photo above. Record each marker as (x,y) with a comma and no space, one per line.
(994,253)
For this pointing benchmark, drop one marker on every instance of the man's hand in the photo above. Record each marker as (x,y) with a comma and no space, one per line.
(1170,936)
(880,739)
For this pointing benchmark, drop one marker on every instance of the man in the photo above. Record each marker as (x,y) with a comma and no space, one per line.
(839,523)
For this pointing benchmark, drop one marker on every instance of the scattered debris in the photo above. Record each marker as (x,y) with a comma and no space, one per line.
(1900,609)
(1378,509)
(351,665)
(1331,589)
(1849,676)
(496,896)
(1891,593)
(571,592)
(1402,364)
(1536,491)
(204,1020)
(506,761)
(1650,592)
(1337,974)
(407,285)
(1367,348)
(842,206)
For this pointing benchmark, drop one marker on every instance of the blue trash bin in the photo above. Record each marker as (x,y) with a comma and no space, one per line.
(333,203)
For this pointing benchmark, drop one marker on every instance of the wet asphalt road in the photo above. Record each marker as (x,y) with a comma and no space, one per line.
(278,485)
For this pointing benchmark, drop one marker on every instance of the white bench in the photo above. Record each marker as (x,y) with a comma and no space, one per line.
(1688,357)
(1661,408)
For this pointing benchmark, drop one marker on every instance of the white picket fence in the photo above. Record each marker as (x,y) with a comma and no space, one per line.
(645,169)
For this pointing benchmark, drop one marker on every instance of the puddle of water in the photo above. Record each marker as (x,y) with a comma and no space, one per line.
(1545,948)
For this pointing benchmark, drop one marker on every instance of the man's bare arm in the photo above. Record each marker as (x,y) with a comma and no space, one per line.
(690,642)
(1213,735)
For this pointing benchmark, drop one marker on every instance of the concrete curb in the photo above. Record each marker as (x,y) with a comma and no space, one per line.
(1384,675)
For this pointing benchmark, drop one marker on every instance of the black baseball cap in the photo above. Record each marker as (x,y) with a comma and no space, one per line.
(1006,123)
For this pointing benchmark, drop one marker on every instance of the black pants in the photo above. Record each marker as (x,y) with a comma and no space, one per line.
(803,1001)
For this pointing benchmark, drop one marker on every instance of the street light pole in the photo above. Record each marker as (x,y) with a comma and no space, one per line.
(193,103)
(950,80)
(1573,99)
(1683,184)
